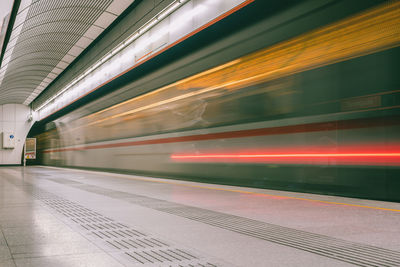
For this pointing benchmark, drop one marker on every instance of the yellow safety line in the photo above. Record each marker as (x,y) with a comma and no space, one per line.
(239,191)
(264,194)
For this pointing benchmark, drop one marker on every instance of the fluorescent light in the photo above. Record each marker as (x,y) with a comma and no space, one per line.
(107,57)
(168,10)
(148,26)
(115,51)
(51,104)
(132,38)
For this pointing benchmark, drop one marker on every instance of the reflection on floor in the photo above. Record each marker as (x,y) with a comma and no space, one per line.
(64,217)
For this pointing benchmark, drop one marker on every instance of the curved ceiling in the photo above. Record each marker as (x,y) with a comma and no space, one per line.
(47,36)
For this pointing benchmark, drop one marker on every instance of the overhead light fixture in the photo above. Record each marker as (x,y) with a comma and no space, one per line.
(138,33)
(169,10)
(163,14)
(148,26)
(130,39)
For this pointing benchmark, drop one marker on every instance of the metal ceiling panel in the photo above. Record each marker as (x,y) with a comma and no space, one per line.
(47,36)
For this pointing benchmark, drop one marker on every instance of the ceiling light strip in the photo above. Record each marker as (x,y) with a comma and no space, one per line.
(50,77)
(61,99)
(163,14)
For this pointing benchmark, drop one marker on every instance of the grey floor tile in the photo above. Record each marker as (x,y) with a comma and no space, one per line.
(84,260)
(7,263)
(41,238)
(21,222)
(4,253)
(2,239)
(38,236)
(58,249)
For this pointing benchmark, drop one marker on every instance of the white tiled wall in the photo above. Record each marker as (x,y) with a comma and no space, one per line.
(14,118)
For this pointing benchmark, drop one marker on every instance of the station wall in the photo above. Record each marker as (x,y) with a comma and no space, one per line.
(14,119)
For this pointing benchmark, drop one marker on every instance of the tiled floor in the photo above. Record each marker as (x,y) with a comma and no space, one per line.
(64,217)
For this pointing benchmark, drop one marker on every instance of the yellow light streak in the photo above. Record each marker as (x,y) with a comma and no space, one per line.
(374,30)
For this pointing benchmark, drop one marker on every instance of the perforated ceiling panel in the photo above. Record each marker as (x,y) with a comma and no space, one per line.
(47,36)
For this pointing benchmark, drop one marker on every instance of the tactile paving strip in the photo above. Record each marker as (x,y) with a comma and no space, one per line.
(136,247)
(347,251)
(131,247)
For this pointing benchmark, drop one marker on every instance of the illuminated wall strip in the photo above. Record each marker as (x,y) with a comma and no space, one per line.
(181,15)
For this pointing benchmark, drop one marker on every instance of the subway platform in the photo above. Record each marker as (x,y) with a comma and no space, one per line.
(68,217)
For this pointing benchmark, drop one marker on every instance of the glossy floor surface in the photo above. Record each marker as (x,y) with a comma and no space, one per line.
(64,217)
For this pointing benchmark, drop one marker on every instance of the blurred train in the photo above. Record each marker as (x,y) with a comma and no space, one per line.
(318,112)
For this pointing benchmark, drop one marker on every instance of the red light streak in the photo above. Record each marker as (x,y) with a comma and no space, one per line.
(290,155)
(348,158)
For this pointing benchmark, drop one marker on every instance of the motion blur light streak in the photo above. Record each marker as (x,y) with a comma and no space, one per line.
(313,111)
(60,101)
(280,130)
(356,158)
(373,31)
(295,155)
(162,89)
